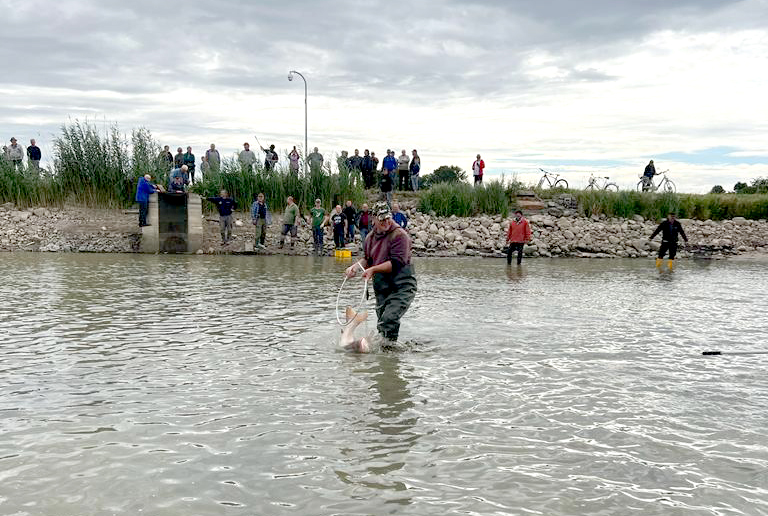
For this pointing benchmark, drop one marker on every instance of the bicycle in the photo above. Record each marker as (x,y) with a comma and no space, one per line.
(552,183)
(646,184)
(594,185)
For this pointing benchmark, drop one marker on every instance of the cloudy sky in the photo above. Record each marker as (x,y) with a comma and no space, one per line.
(574,87)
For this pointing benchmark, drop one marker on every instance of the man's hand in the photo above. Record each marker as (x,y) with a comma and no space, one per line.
(368,274)
(351,271)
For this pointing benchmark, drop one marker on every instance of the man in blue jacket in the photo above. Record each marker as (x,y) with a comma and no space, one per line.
(389,164)
(144,189)
(398,216)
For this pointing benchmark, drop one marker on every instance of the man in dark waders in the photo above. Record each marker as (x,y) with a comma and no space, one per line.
(669,229)
(387,262)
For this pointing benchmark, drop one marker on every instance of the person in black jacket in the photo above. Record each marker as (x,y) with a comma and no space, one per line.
(366,167)
(350,213)
(669,229)
(225,204)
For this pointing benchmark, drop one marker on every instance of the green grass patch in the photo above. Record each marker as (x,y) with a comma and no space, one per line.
(464,200)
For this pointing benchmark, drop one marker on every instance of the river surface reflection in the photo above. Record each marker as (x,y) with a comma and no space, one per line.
(175,385)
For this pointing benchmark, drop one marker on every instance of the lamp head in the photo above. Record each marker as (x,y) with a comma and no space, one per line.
(290,76)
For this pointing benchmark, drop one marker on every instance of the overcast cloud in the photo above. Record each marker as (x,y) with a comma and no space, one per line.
(595,85)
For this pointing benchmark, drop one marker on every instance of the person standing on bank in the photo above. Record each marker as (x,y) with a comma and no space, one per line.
(366,169)
(339,222)
(477,170)
(270,157)
(403,172)
(415,168)
(389,165)
(165,159)
(669,229)
(518,234)
(246,158)
(350,213)
(225,205)
(15,154)
(293,161)
(189,161)
(385,183)
(205,167)
(315,161)
(33,155)
(364,222)
(290,222)
(213,158)
(143,190)
(261,218)
(319,220)
(387,262)
(178,159)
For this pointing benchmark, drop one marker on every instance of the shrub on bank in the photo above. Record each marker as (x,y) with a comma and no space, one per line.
(464,200)
(657,205)
(89,168)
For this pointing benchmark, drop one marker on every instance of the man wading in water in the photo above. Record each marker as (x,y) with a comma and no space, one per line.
(669,229)
(387,263)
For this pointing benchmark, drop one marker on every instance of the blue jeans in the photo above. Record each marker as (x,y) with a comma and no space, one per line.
(363,234)
(351,232)
(317,236)
(415,182)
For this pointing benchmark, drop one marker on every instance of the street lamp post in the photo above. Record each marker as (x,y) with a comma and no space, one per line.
(306,148)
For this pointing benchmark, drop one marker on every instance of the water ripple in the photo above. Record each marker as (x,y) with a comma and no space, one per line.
(209,385)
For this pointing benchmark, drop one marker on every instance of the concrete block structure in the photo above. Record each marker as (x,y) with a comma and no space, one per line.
(176,224)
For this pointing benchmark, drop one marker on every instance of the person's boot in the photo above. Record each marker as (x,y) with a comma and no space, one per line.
(658,262)
(671,264)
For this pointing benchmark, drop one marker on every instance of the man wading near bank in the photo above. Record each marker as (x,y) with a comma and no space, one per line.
(387,263)
(669,229)
(518,234)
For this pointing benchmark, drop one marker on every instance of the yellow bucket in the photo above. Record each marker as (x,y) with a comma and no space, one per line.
(343,253)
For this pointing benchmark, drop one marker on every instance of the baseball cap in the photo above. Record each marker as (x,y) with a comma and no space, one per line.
(381,210)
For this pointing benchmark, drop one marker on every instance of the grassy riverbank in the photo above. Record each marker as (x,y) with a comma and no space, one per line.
(100,169)
(462,200)
(657,205)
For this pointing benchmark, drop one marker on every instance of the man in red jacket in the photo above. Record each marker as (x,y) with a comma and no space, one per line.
(518,235)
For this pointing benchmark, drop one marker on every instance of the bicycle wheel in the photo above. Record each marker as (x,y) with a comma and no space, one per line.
(590,186)
(669,186)
(611,187)
(641,186)
(561,183)
(541,184)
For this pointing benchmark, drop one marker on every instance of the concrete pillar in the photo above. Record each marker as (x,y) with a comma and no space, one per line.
(194,223)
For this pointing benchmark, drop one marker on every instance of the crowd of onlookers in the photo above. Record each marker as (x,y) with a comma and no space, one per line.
(15,153)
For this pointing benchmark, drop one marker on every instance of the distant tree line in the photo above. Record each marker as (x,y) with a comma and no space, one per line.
(756,186)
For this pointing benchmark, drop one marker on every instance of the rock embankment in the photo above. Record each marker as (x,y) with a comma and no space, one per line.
(561,233)
(574,236)
(67,230)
